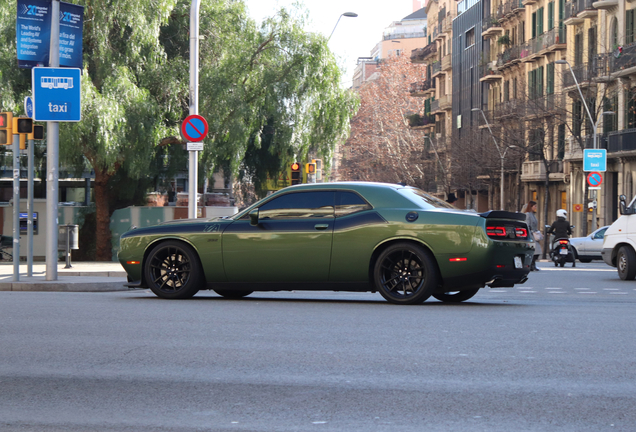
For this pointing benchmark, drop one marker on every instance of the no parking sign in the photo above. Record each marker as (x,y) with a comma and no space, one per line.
(594,179)
(194,128)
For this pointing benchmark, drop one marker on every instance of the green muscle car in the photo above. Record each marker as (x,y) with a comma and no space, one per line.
(350,236)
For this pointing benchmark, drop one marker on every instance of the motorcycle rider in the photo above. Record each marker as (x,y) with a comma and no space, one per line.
(561,229)
(561,226)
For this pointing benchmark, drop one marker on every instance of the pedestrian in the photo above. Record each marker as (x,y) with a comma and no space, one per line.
(533,224)
(451,198)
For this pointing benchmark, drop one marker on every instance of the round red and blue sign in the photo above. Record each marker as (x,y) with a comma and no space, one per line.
(594,179)
(194,128)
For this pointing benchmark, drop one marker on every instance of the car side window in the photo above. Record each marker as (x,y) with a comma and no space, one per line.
(600,234)
(299,205)
(350,202)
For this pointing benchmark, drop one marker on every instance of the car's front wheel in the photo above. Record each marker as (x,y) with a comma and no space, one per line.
(173,271)
(456,296)
(405,273)
(626,263)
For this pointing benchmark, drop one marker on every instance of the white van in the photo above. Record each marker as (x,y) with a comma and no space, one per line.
(619,245)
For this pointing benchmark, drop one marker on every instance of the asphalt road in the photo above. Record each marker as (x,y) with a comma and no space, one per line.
(555,354)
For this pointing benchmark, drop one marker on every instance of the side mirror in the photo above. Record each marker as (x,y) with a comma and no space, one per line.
(624,210)
(254,217)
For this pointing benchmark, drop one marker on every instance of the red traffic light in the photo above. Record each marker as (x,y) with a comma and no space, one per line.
(4,121)
(295,166)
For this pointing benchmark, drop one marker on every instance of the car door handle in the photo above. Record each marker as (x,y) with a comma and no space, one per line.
(321,226)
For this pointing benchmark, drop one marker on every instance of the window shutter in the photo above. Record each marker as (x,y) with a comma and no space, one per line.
(540,21)
(534,25)
(550,16)
(539,79)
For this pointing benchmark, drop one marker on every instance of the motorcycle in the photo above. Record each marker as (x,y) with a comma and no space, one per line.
(561,251)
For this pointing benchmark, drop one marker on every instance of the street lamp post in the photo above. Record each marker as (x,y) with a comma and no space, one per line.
(594,125)
(501,156)
(347,14)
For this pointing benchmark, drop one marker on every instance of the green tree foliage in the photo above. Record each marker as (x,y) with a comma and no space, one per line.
(270,93)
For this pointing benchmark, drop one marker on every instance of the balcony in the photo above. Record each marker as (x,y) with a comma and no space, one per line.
(435,109)
(447,24)
(552,40)
(605,4)
(417,121)
(512,108)
(576,11)
(574,150)
(421,55)
(625,64)
(508,57)
(488,73)
(622,141)
(511,7)
(421,88)
(536,171)
(490,27)
(436,68)
(446,102)
(447,62)
(584,73)
(545,106)
(529,2)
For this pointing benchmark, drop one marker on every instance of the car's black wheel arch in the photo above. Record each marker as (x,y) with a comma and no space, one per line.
(152,245)
(382,246)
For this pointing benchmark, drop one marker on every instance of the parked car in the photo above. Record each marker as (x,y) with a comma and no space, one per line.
(589,248)
(619,245)
(350,236)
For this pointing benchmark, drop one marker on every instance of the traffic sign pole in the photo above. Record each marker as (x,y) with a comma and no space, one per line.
(52,158)
(30,209)
(16,207)
(194,105)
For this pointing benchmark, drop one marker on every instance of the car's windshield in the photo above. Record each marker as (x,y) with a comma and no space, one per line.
(423,199)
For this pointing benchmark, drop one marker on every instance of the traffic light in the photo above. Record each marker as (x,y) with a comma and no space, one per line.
(310,170)
(296,175)
(22,125)
(38,133)
(6,121)
(318,163)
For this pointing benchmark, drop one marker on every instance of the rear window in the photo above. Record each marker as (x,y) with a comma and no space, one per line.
(424,200)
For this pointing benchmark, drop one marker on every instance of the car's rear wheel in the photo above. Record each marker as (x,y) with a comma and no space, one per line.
(232,294)
(173,270)
(405,273)
(585,260)
(456,296)
(626,263)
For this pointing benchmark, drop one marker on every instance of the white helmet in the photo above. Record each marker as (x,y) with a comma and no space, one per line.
(562,213)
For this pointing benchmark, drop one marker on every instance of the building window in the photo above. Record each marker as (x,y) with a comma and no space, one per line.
(470,37)
(549,79)
(550,16)
(629,26)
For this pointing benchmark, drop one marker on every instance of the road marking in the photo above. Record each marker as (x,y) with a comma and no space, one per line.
(588,292)
(578,269)
(611,289)
(619,293)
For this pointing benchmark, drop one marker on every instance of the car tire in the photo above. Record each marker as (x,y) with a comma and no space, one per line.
(626,263)
(585,260)
(173,270)
(456,296)
(232,294)
(405,274)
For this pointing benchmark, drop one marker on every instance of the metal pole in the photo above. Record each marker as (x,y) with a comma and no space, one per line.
(501,199)
(30,151)
(501,185)
(194,105)
(52,157)
(16,207)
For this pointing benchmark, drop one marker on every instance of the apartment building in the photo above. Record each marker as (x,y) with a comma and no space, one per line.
(602,55)
(437,88)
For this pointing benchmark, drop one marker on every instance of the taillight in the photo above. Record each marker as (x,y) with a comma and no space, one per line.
(563,242)
(521,232)
(495,231)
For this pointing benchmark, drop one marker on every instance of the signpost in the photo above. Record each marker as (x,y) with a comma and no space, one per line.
(594,160)
(57,93)
(193,129)
(594,179)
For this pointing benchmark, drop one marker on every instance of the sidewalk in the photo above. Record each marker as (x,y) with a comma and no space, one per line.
(82,277)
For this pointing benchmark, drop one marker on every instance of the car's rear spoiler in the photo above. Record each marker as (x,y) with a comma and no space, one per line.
(500,214)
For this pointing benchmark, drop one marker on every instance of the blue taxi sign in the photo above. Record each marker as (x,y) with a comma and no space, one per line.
(595,160)
(57,94)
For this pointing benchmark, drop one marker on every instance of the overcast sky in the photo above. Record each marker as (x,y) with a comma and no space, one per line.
(353,37)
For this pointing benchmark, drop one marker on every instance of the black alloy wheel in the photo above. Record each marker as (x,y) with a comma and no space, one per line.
(456,296)
(173,270)
(406,274)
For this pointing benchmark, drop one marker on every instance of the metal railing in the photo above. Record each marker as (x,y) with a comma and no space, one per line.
(509,54)
(421,86)
(436,67)
(421,54)
(547,40)
(489,22)
(435,105)
(421,120)
(624,140)
(573,7)
(511,6)
(625,60)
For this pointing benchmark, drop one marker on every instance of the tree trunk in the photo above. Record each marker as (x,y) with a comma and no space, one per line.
(102,216)
(546,201)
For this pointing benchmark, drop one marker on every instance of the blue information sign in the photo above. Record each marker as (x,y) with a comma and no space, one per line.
(57,94)
(33,33)
(594,160)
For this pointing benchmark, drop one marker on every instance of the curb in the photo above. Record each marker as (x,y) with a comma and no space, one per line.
(66,284)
